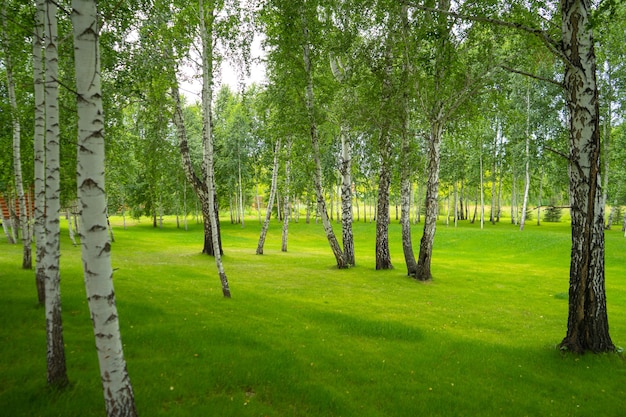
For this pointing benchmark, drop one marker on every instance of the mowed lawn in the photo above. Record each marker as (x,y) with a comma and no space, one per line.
(301,338)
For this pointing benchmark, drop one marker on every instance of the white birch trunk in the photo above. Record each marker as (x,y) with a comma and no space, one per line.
(587,325)
(206,34)
(96,247)
(286,204)
(310,107)
(270,204)
(27,262)
(527,165)
(39,151)
(482,192)
(56,352)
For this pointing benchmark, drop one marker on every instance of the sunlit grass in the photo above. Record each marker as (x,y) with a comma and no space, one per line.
(301,338)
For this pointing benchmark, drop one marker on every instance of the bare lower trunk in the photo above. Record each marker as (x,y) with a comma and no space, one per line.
(587,324)
(39,153)
(27,262)
(423,272)
(319,192)
(527,165)
(270,204)
(96,246)
(56,352)
(286,203)
(206,33)
(346,197)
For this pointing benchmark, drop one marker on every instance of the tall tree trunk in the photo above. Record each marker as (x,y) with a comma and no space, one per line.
(346,197)
(587,324)
(270,204)
(527,162)
(39,151)
(96,247)
(57,374)
(27,262)
(383,255)
(405,148)
(482,192)
(317,177)
(206,34)
(423,272)
(197,184)
(286,204)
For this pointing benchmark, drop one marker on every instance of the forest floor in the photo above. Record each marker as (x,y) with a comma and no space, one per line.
(301,338)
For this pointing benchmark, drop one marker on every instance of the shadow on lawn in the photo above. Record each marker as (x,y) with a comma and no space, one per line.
(364,327)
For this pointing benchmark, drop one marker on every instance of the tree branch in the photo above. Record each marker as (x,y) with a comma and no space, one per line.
(557,152)
(528,74)
(554,46)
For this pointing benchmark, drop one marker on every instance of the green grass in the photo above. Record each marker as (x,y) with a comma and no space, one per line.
(301,338)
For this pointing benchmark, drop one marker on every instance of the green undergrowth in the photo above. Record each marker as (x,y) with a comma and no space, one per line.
(301,338)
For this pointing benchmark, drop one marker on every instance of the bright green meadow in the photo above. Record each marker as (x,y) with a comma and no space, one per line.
(301,338)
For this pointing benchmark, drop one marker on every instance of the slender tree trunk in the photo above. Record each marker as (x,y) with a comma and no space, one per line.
(96,247)
(27,262)
(270,204)
(286,205)
(241,211)
(423,272)
(57,374)
(527,165)
(405,177)
(540,198)
(39,152)
(206,34)
(197,184)
(482,192)
(310,106)
(383,254)
(587,324)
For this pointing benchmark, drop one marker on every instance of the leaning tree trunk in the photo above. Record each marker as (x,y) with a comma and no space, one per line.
(56,352)
(423,272)
(96,247)
(39,151)
(317,175)
(270,203)
(27,262)
(587,324)
(197,184)
(206,34)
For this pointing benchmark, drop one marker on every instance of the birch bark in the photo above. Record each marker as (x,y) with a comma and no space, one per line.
(56,352)
(206,35)
(96,247)
(587,324)
(27,262)
(270,203)
(527,162)
(310,106)
(39,151)
(405,166)
(286,203)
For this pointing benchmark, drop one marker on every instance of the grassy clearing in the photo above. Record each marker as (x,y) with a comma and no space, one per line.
(300,338)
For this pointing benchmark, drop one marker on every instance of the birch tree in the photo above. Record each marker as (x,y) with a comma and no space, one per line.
(39,150)
(270,203)
(51,258)
(207,17)
(96,247)
(27,262)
